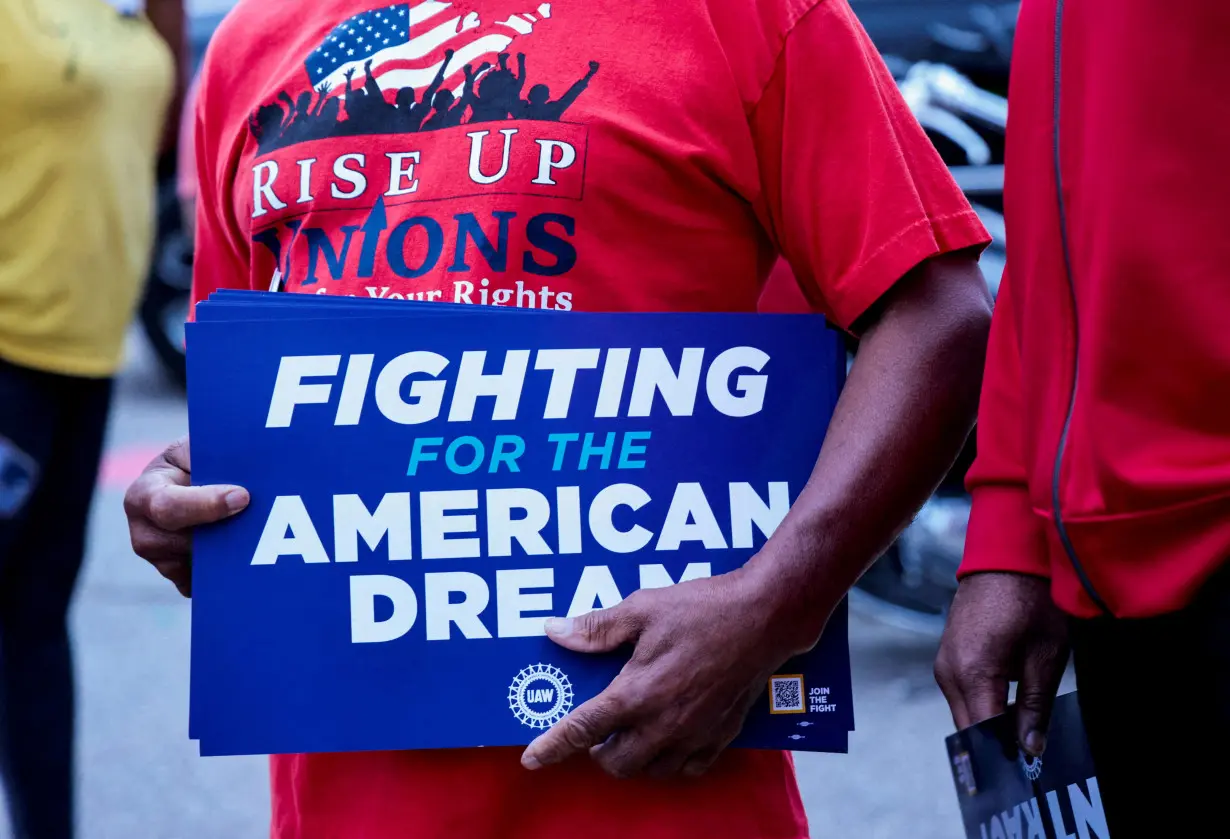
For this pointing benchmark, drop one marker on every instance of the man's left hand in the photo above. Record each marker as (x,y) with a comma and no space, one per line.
(704,651)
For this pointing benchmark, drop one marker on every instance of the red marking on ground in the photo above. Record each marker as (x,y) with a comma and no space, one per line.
(121,466)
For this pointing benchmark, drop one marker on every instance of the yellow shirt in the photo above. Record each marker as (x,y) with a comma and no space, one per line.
(83,97)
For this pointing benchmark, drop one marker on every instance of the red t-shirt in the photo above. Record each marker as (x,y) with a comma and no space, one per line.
(602,156)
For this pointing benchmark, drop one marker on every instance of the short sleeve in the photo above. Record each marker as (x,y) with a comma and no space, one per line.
(853,192)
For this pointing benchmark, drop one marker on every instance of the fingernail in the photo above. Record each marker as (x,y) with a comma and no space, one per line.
(236,500)
(559,626)
(1035,743)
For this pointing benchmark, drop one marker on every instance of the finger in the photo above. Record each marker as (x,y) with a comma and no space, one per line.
(179,573)
(706,753)
(700,762)
(627,753)
(585,727)
(177,569)
(668,763)
(986,695)
(169,552)
(156,545)
(1035,695)
(598,631)
(174,507)
(179,455)
(950,686)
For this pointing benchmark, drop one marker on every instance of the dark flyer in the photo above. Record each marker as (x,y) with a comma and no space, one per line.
(1005,794)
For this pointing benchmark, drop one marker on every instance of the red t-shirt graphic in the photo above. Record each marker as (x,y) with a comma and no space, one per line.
(580,155)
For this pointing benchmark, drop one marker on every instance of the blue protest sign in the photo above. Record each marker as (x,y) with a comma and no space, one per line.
(428,486)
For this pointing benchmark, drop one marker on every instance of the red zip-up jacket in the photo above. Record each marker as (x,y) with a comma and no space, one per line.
(1104,432)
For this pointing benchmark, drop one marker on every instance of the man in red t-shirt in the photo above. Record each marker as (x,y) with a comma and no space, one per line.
(600,156)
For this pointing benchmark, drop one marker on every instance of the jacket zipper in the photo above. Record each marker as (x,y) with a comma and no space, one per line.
(1064,539)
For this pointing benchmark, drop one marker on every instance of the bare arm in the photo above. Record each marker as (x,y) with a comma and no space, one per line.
(167,18)
(704,649)
(906,411)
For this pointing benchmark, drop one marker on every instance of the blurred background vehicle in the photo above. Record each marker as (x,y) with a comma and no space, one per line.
(951,60)
(973,37)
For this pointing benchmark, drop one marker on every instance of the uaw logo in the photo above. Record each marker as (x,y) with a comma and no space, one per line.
(1031,766)
(540,696)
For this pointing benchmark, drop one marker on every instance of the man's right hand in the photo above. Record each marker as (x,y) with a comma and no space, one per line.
(163,507)
(1003,628)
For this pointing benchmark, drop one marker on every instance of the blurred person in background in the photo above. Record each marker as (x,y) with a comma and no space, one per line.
(85,90)
(1101,490)
(185,165)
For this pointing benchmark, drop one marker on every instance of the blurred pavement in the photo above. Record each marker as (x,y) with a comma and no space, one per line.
(141,777)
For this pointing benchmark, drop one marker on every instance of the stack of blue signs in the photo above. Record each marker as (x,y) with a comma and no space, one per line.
(430,482)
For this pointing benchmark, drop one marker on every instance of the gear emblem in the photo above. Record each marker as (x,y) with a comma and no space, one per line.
(540,696)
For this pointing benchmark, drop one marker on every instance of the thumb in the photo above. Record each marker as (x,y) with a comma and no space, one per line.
(174,508)
(1035,695)
(599,631)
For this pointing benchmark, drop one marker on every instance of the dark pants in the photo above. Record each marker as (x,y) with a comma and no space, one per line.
(51,435)
(1155,698)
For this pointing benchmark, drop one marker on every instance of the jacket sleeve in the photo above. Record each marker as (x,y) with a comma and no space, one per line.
(1004,533)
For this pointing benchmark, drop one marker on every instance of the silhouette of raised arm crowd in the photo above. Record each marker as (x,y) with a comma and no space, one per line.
(488,95)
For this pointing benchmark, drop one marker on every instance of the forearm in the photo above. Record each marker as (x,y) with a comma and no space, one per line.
(167,18)
(903,416)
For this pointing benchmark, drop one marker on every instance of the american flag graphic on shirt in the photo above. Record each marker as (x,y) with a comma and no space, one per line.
(373,128)
(405,44)
(418,67)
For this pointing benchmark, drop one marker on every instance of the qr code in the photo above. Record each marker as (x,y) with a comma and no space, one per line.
(786,695)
